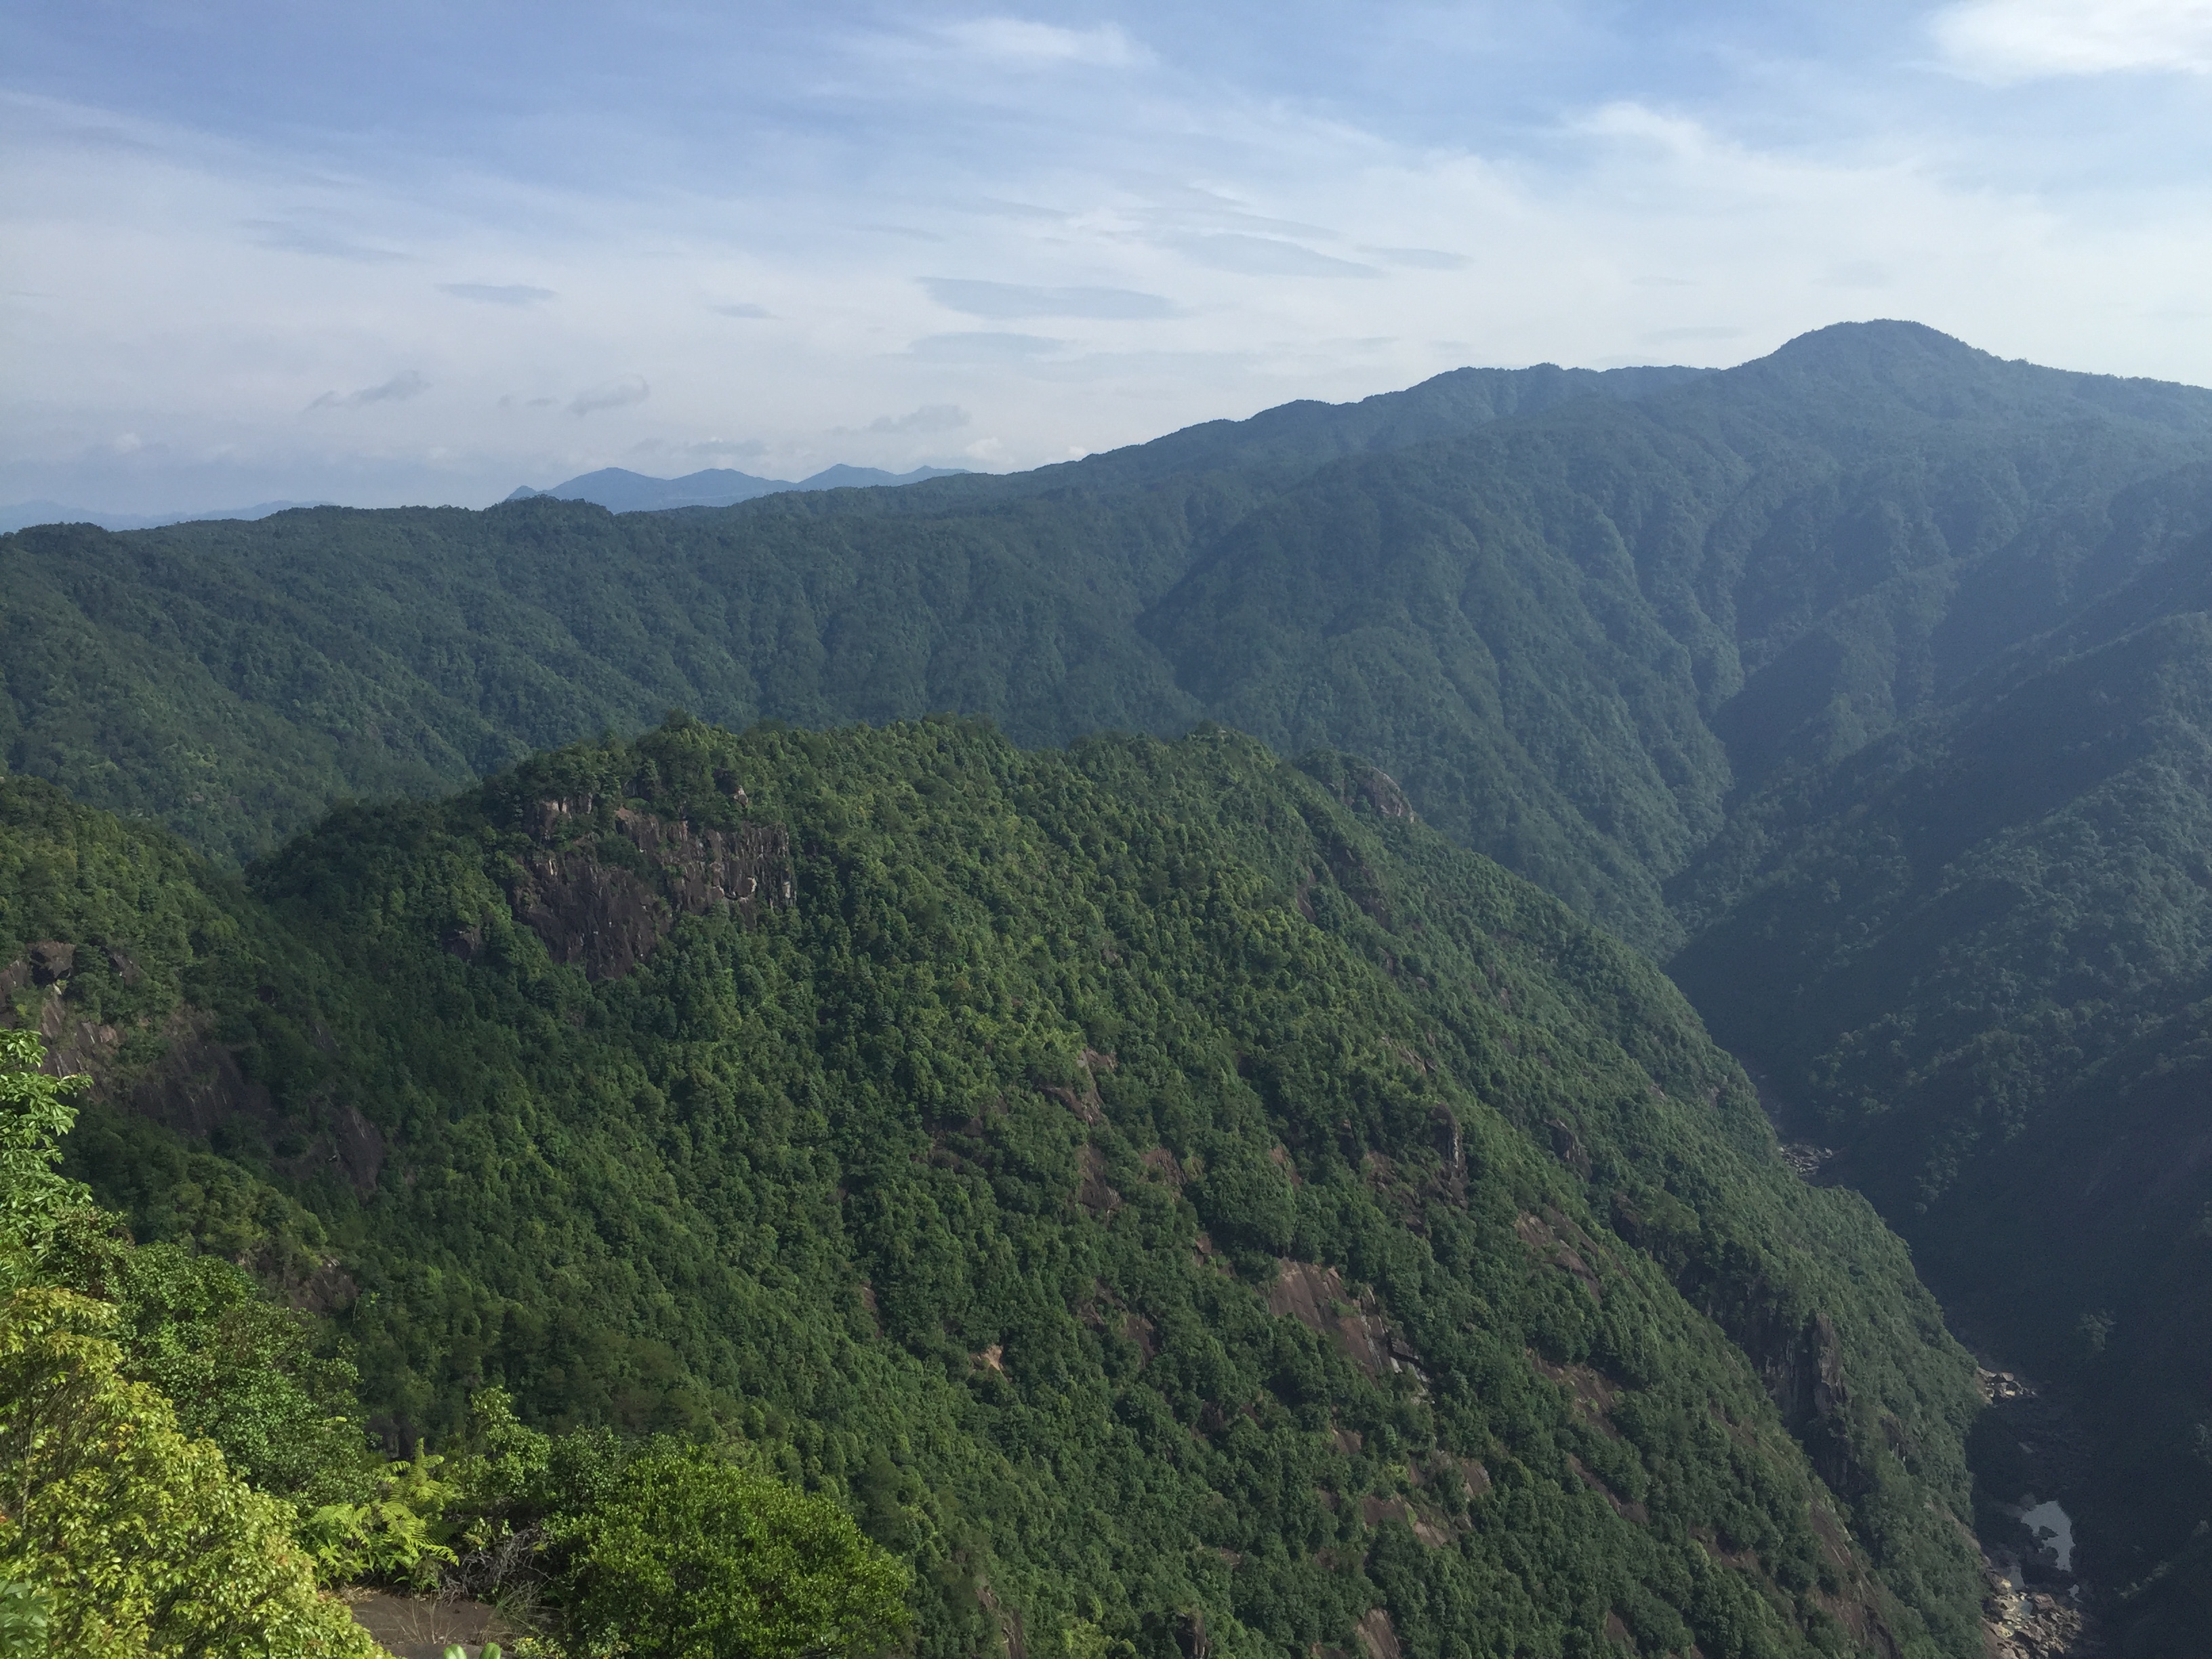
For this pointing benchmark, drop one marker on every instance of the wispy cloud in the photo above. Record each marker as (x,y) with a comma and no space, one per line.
(497,294)
(1011,301)
(930,417)
(1081,234)
(1266,256)
(1017,39)
(291,237)
(983,346)
(2032,39)
(618,393)
(1421,259)
(400,387)
(992,208)
(690,455)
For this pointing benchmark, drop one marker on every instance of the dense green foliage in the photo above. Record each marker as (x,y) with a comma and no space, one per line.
(1160,1190)
(121,1537)
(180,1468)
(1570,633)
(690,1553)
(233,684)
(1866,683)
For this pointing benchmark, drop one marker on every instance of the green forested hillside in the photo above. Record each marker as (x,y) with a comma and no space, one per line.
(1159,1190)
(188,1474)
(1572,631)
(1579,639)
(233,685)
(1864,684)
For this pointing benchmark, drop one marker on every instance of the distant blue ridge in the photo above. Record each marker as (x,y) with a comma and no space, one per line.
(612,487)
(620,490)
(21,515)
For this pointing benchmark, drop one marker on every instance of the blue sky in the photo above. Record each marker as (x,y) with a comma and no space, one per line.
(424,252)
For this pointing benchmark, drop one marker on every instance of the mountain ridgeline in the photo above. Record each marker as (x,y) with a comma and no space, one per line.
(1174,1199)
(234,684)
(1868,686)
(620,490)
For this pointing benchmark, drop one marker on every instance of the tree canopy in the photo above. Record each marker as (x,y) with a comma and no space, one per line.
(1153,1189)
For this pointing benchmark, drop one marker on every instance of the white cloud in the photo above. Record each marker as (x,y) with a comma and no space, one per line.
(1018,40)
(400,388)
(317,241)
(1266,256)
(1421,259)
(983,346)
(497,294)
(2029,39)
(618,393)
(1168,227)
(1008,300)
(930,417)
(674,457)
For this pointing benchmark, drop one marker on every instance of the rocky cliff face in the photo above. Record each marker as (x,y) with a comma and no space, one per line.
(1794,1350)
(603,898)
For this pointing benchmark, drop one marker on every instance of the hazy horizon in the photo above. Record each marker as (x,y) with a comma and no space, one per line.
(257,253)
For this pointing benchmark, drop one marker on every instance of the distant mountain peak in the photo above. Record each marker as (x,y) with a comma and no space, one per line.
(1887,366)
(1891,332)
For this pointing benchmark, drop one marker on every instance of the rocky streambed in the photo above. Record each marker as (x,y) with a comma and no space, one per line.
(2036,1606)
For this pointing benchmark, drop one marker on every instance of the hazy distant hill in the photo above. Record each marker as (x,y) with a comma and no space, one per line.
(619,490)
(23,514)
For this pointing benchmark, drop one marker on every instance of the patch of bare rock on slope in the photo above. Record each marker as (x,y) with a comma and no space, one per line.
(596,912)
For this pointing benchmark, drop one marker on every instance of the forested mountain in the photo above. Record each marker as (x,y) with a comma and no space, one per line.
(1177,1201)
(1864,685)
(233,685)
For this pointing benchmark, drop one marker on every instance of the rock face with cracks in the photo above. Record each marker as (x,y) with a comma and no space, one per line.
(606,915)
